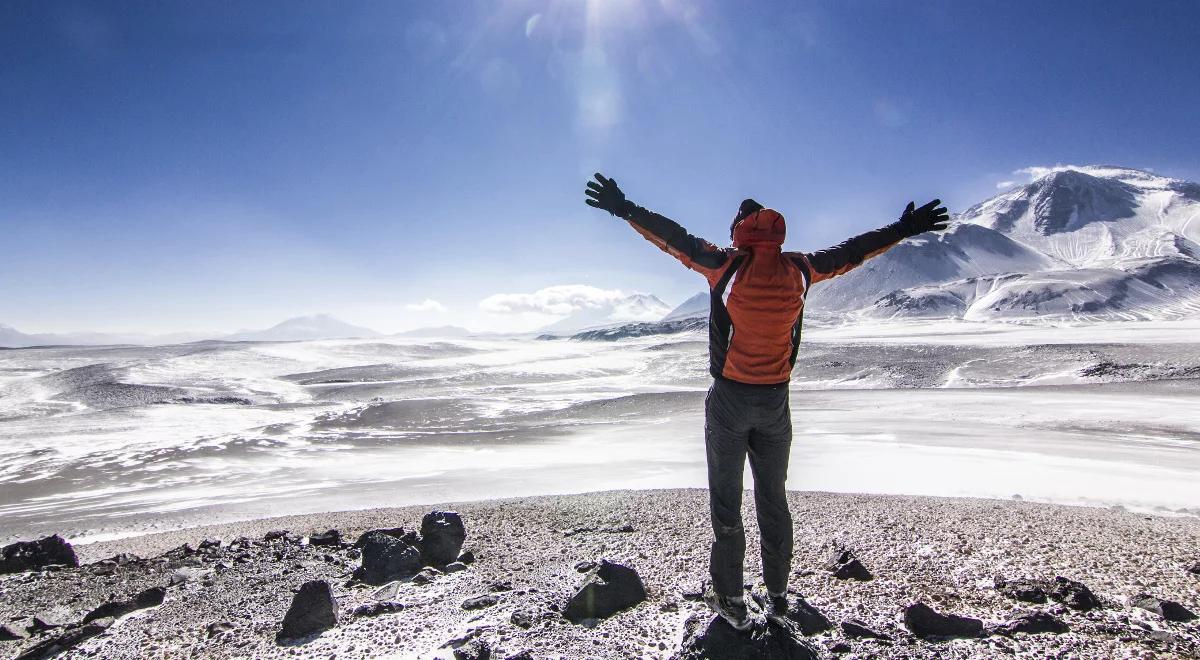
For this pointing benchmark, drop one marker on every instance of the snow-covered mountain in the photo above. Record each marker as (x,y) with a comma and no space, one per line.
(1080,243)
(694,307)
(637,307)
(10,337)
(301,328)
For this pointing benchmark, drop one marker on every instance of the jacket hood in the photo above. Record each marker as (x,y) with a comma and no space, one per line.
(763,227)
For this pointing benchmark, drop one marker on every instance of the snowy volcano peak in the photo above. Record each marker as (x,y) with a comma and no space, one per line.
(301,328)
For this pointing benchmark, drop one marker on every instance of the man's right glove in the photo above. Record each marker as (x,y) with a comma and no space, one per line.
(927,218)
(604,194)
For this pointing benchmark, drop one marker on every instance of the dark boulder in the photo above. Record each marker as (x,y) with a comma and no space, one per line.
(1026,591)
(442,536)
(845,565)
(1073,594)
(466,557)
(475,649)
(709,637)
(11,632)
(329,538)
(394,532)
(313,610)
(607,589)
(1167,609)
(479,602)
(1194,569)
(857,629)
(116,609)
(386,558)
(923,621)
(28,555)
(1033,623)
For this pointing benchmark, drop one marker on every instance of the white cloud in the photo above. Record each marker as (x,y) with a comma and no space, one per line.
(1004,185)
(555,300)
(427,305)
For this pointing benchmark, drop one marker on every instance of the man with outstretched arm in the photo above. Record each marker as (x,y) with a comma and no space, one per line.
(757,294)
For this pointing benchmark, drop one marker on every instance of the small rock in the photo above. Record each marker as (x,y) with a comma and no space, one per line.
(466,557)
(585,566)
(525,654)
(276,535)
(442,536)
(607,589)
(807,618)
(1033,623)
(476,649)
(840,648)
(377,608)
(846,566)
(28,555)
(328,538)
(499,586)
(522,619)
(50,619)
(1167,609)
(313,610)
(386,558)
(923,621)
(455,566)
(116,609)
(1073,594)
(218,628)
(387,591)
(394,532)
(479,602)
(427,575)
(1195,568)
(1027,591)
(66,640)
(709,637)
(209,545)
(857,629)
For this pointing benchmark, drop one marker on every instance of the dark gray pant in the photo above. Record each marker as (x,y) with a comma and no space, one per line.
(754,419)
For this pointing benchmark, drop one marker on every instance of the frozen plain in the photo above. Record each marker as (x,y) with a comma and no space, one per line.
(103,442)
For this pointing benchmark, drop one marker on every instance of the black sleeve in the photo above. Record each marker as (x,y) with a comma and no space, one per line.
(845,256)
(695,253)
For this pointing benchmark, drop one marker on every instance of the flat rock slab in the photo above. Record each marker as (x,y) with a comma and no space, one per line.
(1033,623)
(710,637)
(607,589)
(925,622)
(313,610)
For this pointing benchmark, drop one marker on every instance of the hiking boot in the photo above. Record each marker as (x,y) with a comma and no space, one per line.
(732,609)
(776,607)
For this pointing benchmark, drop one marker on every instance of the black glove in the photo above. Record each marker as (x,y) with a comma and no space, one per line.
(927,218)
(604,194)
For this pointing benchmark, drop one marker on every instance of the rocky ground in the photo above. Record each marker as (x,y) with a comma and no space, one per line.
(878,574)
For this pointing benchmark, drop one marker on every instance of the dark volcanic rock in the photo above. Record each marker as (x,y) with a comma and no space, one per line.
(427,575)
(1167,609)
(442,536)
(377,608)
(66,640)
(330,538)
(1033,623)
(1195,568)
(475,649)
(28,555)
(809,619)
(479,602)
(711,638)
(1026,591)
(846,566)
(466,557)
(218,628)
(1073,594)
(116,609)
(607,589)
(857,629)
(923,621)
(386,558)
(455,566)
(313,610)
(394,532)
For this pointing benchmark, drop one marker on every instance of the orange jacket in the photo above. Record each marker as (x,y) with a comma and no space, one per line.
(756,289)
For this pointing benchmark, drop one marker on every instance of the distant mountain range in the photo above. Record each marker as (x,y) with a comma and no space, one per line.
(303,328)
(1095,243)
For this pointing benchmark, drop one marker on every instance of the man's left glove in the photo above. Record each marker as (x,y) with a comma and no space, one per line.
(604,194)
(927,218)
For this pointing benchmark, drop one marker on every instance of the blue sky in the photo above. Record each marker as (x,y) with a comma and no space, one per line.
(210,166)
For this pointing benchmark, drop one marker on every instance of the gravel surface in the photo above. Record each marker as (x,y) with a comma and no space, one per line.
(224,601)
